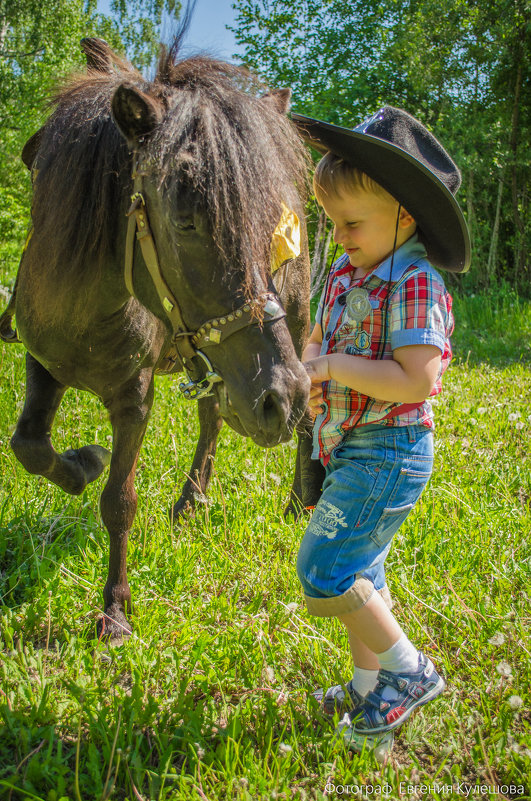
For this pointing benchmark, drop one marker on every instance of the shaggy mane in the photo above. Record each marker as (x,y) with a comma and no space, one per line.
(217,138)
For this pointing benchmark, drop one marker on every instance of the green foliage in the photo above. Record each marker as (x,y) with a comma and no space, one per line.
(39,45)
(211,695)
(461,67)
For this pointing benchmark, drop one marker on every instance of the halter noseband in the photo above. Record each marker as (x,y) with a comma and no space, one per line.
(184,353)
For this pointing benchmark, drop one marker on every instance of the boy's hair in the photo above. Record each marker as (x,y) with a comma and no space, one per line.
(334,177)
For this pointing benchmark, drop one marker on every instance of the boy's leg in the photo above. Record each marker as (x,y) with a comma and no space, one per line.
(365,499)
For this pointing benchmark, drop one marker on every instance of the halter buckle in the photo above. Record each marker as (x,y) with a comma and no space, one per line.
(194,389)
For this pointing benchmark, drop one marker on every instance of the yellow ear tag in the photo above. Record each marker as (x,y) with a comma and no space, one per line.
(286,239)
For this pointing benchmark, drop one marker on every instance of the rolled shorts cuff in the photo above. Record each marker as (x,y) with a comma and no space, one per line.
(353,599)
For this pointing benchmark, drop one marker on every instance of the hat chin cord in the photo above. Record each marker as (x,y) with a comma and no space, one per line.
(381,347)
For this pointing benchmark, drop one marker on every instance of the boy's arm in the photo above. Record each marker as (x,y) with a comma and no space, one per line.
(408,377)
(313,346)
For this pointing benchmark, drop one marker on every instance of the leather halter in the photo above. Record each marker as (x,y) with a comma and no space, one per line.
(184,353)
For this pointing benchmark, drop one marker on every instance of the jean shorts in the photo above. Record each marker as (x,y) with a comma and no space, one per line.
(374,478)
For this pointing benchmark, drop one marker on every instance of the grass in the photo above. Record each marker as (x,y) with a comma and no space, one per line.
(209,698)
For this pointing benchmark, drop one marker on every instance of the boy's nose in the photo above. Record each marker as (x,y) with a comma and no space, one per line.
(339,235)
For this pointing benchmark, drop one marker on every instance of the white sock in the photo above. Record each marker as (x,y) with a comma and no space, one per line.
(364,680)
(402,657)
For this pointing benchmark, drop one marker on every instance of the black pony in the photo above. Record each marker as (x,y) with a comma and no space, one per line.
(184,180)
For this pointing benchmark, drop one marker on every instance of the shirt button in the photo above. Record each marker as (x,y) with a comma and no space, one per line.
(328,335)
(342,299)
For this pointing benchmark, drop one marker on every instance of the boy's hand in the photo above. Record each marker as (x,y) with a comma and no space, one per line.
(317,370)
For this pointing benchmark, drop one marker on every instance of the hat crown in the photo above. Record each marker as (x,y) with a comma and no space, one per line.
(398,128)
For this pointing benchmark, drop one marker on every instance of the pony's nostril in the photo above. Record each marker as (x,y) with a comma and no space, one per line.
(272,414)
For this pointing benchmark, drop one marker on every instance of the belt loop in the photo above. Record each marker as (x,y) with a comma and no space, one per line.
(411,433)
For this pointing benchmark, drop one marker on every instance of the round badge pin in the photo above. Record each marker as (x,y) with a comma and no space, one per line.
(358,305)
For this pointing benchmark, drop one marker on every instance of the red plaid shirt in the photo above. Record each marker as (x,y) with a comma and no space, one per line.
(419,313)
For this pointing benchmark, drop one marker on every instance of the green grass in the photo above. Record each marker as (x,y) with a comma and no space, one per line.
(209,698)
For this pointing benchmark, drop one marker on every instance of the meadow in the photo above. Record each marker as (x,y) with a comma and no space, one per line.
(210,698)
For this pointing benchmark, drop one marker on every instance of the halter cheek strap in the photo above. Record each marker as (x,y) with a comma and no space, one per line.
(138,228)
(184,352)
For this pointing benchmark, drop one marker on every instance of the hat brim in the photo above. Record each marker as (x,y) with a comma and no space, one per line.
(439,219)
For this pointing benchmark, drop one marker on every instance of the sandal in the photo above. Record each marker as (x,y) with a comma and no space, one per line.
(338,699)
(376,715)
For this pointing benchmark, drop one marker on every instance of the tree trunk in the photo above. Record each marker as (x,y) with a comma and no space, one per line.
(491,264)
(519,227)
(320,254)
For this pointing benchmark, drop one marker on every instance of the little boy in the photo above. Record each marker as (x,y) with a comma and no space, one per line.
(377,351)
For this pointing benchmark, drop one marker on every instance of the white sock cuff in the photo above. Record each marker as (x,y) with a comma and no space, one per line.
(364,680)
(402,657)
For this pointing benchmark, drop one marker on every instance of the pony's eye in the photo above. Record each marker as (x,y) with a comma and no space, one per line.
(185,223)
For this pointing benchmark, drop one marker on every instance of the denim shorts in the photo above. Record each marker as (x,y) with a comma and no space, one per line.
(373,480)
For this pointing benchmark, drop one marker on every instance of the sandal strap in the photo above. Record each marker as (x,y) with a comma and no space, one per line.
(392,680)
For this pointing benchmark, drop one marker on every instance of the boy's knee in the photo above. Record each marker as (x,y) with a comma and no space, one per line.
(317,576)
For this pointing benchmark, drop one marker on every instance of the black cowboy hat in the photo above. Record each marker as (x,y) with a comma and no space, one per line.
(394,149)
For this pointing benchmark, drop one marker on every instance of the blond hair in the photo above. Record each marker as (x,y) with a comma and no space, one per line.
(335,177)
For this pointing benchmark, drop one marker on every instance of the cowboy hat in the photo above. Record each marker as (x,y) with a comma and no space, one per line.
(399,153)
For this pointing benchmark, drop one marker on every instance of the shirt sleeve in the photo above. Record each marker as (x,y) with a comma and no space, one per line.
(421,312)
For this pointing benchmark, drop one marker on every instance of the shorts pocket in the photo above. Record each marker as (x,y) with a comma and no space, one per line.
(406,492)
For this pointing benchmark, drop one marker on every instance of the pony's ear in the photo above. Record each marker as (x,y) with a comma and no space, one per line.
(135,113)
(279,98)
(98,54)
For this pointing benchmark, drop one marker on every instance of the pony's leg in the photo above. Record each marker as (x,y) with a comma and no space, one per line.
(309,473)
(210,423)
(31,442)
(129,413)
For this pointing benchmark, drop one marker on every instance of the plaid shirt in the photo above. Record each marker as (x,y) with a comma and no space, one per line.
(419,313)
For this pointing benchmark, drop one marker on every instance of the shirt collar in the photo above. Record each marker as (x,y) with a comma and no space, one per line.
(407,254)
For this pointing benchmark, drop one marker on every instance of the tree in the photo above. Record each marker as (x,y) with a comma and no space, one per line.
(460,66)
(39,44)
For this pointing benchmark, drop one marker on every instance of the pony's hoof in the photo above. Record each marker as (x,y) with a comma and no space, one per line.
(80,467)
(182,509)
(296,511)
(113,631)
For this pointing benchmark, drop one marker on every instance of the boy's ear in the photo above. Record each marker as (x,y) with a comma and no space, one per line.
(279,98)
(406,219)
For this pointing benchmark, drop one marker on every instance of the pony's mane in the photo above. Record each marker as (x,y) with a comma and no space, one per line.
(218,138)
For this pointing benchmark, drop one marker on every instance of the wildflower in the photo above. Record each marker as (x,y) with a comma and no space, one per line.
(504,669)
(284,748)
(201,498)
(515,702)
(282,698)
(292,607)
(482,410)
(519,425)
(260,518)
(249,476)
(497,639)
(269,673)
(514,416)
(275,479)
(473,421)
